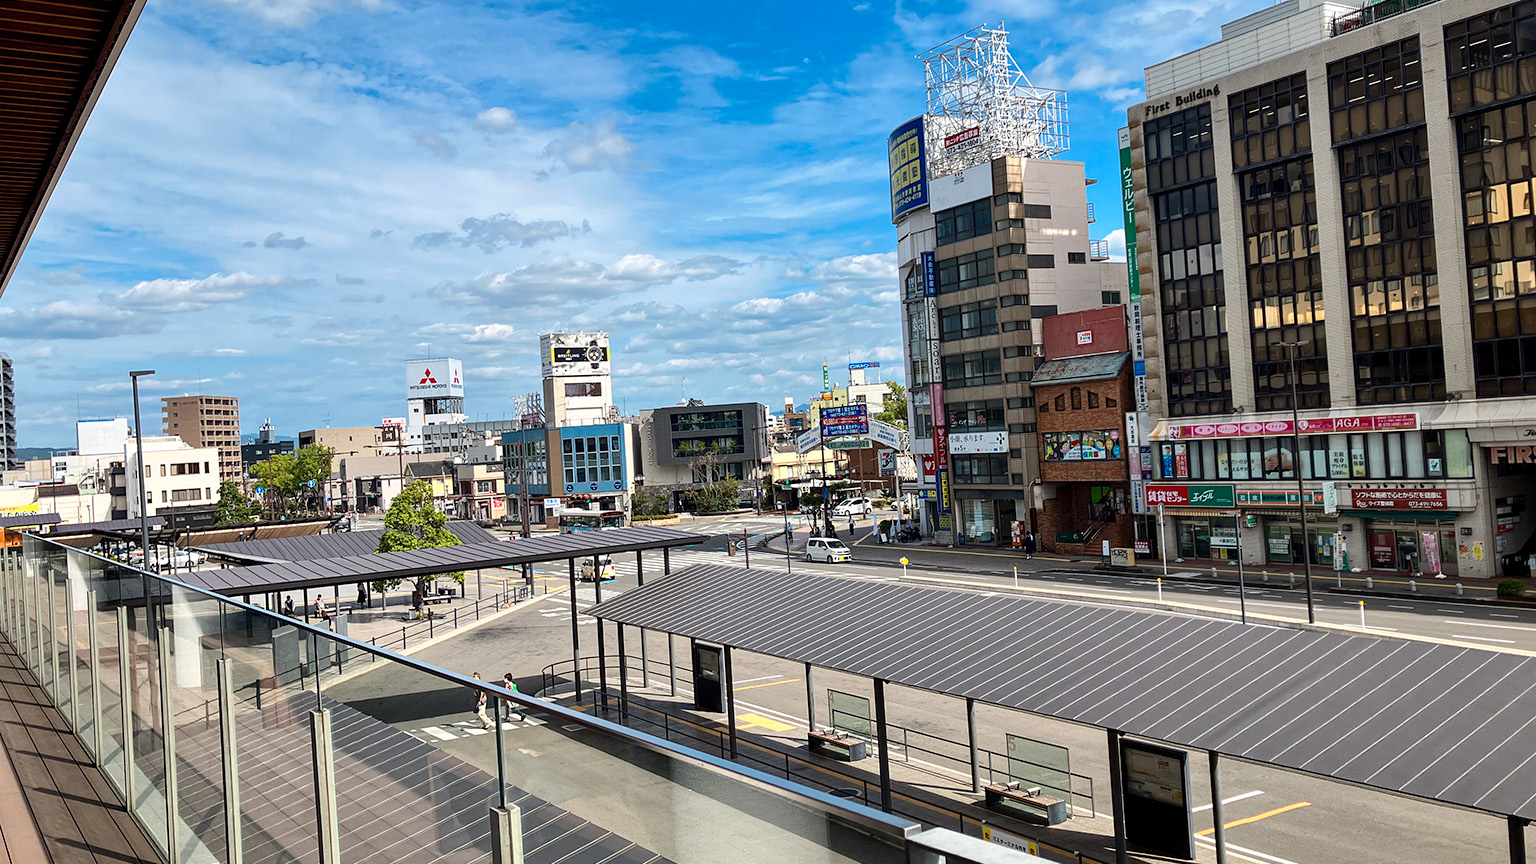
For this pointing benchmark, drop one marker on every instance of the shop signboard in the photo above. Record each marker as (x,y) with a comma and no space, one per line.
(1512,455)
(1277,496)
(909,167)
(930,275)
(1182,495)
(1398,499)
(1366,423)
(852,442)
(1383,549)
(978,442)
(941,458)
(1278,544)
(887,435)
(1431,551)
(1330,497)
(927,460)
(868,364)
(1138,497)
(1002,838)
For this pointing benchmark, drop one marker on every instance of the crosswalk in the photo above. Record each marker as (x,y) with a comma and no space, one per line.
(468,729)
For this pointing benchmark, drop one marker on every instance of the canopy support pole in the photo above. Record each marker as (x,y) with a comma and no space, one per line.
(1517,840)
(575,636)
(1116,795)
(1220,834)
(970,727)
(883,742)
(730,697)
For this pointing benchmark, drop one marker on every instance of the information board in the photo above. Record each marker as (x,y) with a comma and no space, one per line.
(1157,812)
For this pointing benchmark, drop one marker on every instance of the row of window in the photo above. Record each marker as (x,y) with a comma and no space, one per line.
(973,369)
(1284,277)
(963,222)
(1376,91)
(988,469)
(696,420)
(1430,454)
(968,320)
(1062,400)
(1491,57)
(720,445)
(979,416)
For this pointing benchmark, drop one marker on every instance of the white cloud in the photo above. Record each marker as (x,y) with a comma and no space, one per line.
(852,270)
(564,280)
(68,319)
(473,333)
(650,270)
(1116,241)
(598,148)
(435,144)
(496,120)
(500,231)
(220,352)
(185,295)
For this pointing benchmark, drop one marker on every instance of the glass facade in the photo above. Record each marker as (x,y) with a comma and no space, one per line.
(1272,155)
(1419,455)
(1181,165)
(1376,105)
(1491,74)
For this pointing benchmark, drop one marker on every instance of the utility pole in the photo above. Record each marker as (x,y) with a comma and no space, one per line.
(138,434)
(1301,493)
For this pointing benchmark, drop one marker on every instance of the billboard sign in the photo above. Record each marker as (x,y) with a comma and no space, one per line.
(978,442)
(1398,499)
(1156,802)
(930,274)
(909,168)
(846,412)
(887,435)
(1319,426)
(808,440)
(434,379)
(567,354)
(1180,495)
(887,463)
(941,459)
(851,427)
(964,139)
(868,364)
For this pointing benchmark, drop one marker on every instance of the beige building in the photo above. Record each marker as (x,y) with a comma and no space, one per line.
(207,421)
(175,474)
(351,440)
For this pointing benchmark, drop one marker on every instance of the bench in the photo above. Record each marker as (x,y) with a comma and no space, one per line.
(1027,804)
(437,598)
(837,745)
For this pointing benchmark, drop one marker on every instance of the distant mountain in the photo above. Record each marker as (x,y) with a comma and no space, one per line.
(26,454)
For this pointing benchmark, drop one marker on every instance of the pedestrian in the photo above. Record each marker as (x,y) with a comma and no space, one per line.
(288,606)
(850,524)
(512,707)
(480,717)
(1029,544)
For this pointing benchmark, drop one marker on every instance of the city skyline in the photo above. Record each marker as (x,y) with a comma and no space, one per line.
(320,191)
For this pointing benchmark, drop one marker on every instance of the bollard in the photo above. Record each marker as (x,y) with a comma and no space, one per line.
(1266,575)
(1413,586)
(1362,614)
(402,637)
(1369,583)
(1159,589)
(1213,572)
(1458,589)
(1338,578)
(1292,579)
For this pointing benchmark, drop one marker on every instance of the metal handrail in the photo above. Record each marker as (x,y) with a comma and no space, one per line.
(873,820)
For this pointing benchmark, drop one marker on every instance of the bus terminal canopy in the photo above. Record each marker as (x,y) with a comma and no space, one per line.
(1436,722)
(325,572)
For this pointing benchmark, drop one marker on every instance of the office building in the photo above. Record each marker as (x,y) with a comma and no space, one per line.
(264,447)
(8,460)
(578,386)
(686,447)
(993,235)
(176,476)
(434,396)
(207,421)
(1349,190)
(355,440)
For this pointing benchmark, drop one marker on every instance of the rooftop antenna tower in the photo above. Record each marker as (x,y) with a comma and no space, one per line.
(981,106)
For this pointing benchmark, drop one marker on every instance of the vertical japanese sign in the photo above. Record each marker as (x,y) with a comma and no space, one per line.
(941,457)
(1140,463)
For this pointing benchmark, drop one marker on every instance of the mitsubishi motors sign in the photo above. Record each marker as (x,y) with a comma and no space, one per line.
(434,379)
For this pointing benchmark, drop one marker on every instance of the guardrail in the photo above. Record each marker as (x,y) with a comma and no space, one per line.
(429,625)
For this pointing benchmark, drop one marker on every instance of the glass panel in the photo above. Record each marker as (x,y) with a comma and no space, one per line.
(850,713)
(1036,763)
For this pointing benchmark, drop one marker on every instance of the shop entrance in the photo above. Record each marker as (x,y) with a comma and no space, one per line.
(1405,546)
(978,521)
(1212,537)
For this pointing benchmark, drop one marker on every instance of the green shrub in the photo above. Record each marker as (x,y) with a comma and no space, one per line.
(1511,588)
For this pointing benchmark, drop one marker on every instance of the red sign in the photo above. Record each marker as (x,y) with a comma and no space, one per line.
(1398,499)
(928,467)
(1383,549)
(1376,423)
(964,136)
(1511,455)
(1177,496)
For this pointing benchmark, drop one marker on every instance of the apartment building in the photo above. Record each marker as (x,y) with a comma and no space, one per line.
(207,421)
(175,475)
(8,460)
(1333,216)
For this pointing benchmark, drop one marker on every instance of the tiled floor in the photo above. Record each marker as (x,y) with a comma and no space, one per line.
(55,805)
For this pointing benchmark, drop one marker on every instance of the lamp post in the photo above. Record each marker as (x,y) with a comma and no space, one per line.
(1301,494)
(138,435)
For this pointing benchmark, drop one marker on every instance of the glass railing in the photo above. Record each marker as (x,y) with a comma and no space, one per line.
(235,734)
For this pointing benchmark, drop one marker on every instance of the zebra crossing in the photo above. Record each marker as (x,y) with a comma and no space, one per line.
(468,729)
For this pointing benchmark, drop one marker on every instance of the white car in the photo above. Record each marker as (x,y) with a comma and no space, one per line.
(855,507)
(605,564)
(827,549)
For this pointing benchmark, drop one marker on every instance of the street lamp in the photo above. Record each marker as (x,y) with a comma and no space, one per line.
(1293,348)
(138,434)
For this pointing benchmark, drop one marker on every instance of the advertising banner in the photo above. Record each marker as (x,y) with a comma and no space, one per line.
(841,412)
(852,427)
(1179,495)
(909,168)
(872,364)
(941,458)
(887,435)
(978,442)
(1431,562)
(1398,499)
(434,379)
(927,468)
(930,276)
(1330,497)
(1381,423)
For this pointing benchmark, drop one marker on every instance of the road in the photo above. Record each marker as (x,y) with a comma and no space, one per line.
(1277,816)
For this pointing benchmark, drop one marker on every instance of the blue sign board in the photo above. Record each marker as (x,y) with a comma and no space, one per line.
(866,365)
(856,427)
(930,275)
(909,168)
(1141,368)
(842,411)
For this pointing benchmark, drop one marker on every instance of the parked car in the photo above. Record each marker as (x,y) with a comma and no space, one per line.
(855,507)
(828,549)
(605,566)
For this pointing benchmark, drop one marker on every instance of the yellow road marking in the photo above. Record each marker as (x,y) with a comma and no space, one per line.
(769,684)
(1275,812)
(748,721)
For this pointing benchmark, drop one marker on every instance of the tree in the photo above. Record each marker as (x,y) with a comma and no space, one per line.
(414,522)
(718,491)
(894,409)
(650,503)
(233,507)
(295,480)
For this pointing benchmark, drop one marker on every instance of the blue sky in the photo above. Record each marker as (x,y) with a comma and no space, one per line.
(282,200)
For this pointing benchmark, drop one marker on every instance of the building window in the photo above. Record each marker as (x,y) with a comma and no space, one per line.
(968,320)
(1010,249)
(1042,311)
(1077,398)
(1040,262)
(963,222)
(965,271)
(1008,198)
(1008,275)
(1037,211)
(1109,298)
(1093,399)
(983,416)
(701,420)
(1485,62)
(979,469)
(1013,300)
(1376,91)
(973,369)
(1419,455)
(1005,224)
(583,388)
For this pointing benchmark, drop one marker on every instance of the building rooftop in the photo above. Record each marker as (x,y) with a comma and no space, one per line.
(1068,370)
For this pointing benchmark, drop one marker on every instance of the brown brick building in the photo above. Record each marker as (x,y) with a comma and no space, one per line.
(1081,401)
(207,421)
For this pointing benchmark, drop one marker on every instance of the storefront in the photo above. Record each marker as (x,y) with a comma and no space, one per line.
(1426,545)
(1212,537)
(1283,538)
(978,521)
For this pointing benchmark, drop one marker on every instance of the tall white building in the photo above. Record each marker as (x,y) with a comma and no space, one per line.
(175,475)
(578,384)
(434,396)
(992,235)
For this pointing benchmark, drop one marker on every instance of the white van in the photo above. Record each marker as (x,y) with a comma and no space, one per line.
(828,549)
(854,507)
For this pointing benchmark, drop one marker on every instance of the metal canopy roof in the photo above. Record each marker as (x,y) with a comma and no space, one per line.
(346,544)
(324,572)
(109,526)
(30,520)
(1437,722)
(55,56)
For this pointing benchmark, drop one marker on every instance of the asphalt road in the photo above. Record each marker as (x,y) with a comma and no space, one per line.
(1285,818)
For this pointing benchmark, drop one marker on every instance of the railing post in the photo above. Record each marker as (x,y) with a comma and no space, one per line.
(575,636)
(53,644)
(883,743)
(1219,833)
(671,668)
(125,685)
(325,786)
(168,737)
(970,725)
(95,648)
(506,835)
(810,698)
(623,677)
(69,644)
(730,697)
(233,837)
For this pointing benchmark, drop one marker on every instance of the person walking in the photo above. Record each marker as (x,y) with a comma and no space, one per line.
(850,524)
(1029,544)
(512,707)
(480,716)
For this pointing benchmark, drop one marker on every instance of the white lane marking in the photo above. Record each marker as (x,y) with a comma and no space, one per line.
(1450,611)
(763,678)
(1483,639)
(1243,850)
(1494,626)
(438,733)
(1394,606)
(1502,615)
(1225,801)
